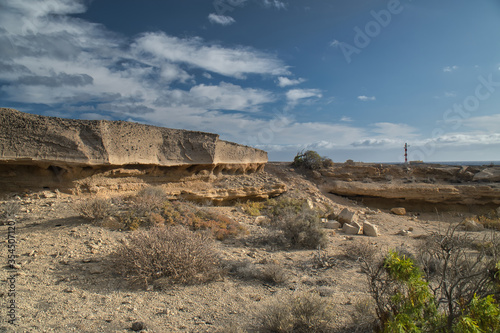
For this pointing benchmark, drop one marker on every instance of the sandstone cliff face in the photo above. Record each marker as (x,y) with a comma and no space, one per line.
(28,139)
(38,151)
(420,187)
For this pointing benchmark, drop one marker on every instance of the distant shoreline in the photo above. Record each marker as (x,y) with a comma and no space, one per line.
(452,163)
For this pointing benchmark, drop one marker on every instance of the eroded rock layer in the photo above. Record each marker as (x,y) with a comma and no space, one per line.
(419,187)
(38,151)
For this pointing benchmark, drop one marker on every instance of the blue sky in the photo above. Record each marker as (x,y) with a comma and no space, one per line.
(350,79)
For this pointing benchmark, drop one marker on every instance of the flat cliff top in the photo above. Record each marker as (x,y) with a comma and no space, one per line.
(27,138)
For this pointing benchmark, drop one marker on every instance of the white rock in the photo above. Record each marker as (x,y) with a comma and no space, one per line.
(332,225)
(350,229)
(347,216)
(370,229)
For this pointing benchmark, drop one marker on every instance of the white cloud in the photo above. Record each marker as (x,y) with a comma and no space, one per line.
(392,130)
(489,123)
(366,98)
(275,3)
(450,69)
(346,119)
(297,94)
(220,19)
(285,82)
(334,43)
(233,62)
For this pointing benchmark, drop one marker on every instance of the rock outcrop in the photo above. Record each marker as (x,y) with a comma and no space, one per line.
(423,187)
(89,156)
(33,139)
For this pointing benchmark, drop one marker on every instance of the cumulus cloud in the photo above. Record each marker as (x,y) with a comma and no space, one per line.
(220,19)
(366,98)
(285,82)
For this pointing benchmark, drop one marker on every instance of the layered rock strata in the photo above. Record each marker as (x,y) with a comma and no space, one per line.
(38,151)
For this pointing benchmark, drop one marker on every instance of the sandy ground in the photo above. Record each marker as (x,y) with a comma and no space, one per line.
(65,281)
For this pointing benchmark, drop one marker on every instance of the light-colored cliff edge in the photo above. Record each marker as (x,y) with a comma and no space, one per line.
(27,139)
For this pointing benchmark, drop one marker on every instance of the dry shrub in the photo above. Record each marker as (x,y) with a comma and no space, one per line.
(364,318)
(252,208)
(274,273)
(10,209)
(302,229)
(191,216)
(490,220)
(149,200)
(301,312)
(96,209)
(173,252)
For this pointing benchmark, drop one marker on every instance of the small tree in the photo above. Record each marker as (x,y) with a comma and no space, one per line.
(311,160)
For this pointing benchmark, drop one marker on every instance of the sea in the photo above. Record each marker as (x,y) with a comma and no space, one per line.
(489,163)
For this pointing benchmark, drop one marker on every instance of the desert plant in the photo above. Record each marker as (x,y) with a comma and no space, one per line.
(282,204)
(148,200)
(96,209)
(300,312)
(457,281)
(172,252)
(10,209)
(274,273)
(311,160)
(302,229)
(253,208)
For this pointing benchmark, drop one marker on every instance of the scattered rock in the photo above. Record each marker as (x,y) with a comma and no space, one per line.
(398,211)
(48,194)
(332,225)
(350,229)
(259,220)
(96,270)
(138,326)
(347,216)
(472,225)
(403,232)
(370,229)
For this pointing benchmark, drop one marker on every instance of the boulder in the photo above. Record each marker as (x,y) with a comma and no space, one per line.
(398,211)
(488,175)
(350,229)
(370,229)
(332,225)
(347,216)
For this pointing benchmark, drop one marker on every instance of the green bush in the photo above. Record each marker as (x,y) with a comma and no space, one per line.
(311,160)
(457,297)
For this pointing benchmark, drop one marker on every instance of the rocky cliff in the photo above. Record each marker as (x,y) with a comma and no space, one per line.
(29,139)
(38,151)
(420,187)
